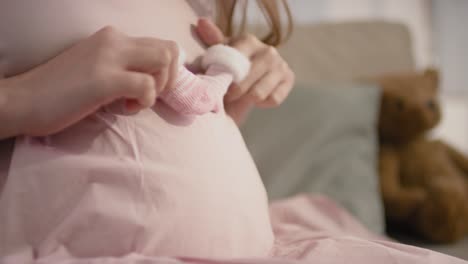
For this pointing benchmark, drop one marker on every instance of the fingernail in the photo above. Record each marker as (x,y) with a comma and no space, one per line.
(131,107)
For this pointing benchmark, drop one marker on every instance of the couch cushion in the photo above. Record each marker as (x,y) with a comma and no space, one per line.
(322,139)
(348,50)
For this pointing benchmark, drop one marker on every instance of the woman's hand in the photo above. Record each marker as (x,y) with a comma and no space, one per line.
(95,72)
(270,79)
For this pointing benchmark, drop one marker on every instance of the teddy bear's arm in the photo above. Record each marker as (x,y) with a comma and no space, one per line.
(457,157)
(400,202)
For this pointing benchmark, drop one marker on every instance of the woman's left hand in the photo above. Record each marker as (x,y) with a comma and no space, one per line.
(270,79)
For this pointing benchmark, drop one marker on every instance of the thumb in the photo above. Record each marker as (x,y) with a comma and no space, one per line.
(209,32)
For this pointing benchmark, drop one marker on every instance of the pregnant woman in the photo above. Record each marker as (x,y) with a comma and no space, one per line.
(90,186)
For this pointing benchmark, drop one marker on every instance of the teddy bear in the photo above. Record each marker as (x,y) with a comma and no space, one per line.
(424,182)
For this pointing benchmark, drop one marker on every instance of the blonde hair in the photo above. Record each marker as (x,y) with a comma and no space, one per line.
(271,11)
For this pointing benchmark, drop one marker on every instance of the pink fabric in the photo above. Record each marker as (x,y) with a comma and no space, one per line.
(308,229)
(192,94)
(116,189)
(156,183)
(198,94)
(149,183)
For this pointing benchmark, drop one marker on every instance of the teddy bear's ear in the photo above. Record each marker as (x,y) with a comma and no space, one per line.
(433,74)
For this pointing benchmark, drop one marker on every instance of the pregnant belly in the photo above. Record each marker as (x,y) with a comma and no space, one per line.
(155,183)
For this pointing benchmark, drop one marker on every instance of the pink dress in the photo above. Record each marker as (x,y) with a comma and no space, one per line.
(157,183)
(157,187)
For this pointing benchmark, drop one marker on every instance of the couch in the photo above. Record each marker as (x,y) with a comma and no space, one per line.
(320,54)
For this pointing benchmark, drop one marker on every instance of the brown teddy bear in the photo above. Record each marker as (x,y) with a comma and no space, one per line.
(424,182)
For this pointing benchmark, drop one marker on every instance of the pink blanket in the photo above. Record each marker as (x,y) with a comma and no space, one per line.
(308,229)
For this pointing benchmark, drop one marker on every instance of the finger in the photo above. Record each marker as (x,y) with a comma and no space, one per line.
(264,87)
(238,90)
(260,66)
(161,78)
(264,61)
(209,33)
(132,107)
(165,65)
(137,86)
(248,45)
(283,89)
(280,93)
(149,55)
(171,76)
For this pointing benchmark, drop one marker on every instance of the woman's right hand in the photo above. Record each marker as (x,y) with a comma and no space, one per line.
(95,72)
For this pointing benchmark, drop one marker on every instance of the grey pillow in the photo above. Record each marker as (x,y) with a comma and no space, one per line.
(322,140)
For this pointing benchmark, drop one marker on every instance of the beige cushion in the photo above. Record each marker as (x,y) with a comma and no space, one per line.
(346,51)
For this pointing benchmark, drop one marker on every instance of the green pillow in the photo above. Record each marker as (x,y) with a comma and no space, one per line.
(322,140)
